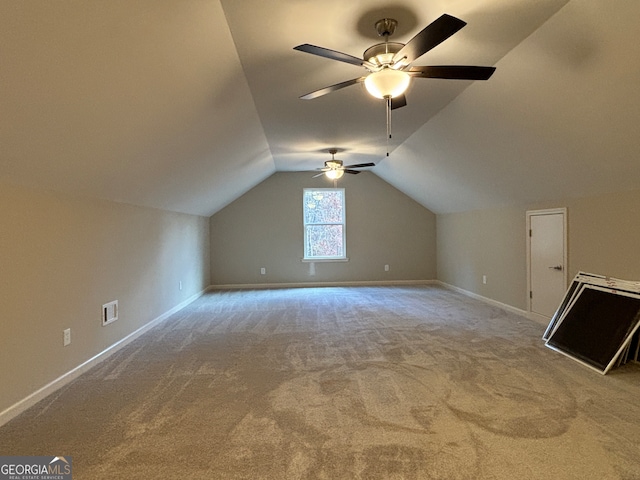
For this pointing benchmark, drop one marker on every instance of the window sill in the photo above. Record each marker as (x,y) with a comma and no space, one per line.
(323,260)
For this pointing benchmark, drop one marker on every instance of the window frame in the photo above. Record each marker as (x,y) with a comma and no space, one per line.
(306,257)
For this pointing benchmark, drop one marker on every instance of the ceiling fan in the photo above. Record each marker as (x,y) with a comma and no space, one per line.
(389,63)
(334,169)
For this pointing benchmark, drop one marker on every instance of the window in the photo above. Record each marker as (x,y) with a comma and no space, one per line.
(324,224)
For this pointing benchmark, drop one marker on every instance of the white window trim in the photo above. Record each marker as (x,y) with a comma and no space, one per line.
(344,228)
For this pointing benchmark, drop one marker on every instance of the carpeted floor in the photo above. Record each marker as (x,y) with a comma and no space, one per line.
(414,382)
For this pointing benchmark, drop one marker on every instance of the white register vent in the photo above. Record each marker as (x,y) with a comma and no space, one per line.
(109,312)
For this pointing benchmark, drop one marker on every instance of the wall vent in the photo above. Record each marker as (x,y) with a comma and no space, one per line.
(109,312)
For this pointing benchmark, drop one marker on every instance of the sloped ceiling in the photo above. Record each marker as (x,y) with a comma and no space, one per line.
(185,105)
(137,101)
(560,118)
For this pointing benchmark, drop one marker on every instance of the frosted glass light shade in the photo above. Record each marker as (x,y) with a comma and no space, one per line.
(334,174)
(387,83)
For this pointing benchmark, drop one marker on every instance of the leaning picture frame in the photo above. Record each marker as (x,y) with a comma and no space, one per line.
(583,278)
(597,326)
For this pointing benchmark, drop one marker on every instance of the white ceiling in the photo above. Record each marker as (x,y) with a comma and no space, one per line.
(185,105)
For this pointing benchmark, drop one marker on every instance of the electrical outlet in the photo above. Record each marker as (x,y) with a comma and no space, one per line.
(484,279)
(386,268)
(180,284)
(66,336)
(263,271)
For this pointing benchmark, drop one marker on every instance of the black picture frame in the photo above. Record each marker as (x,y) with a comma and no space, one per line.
(596,326)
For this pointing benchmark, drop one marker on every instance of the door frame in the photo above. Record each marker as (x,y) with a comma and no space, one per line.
(565,256)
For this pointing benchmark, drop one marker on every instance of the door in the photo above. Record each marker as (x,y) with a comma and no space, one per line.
(547,260)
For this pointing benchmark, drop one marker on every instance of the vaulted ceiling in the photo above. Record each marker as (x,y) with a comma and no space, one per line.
(185,105)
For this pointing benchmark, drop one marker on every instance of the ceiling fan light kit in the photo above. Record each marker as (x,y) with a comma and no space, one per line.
(387,83)
(334,174)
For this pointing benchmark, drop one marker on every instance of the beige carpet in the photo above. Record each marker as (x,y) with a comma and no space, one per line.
(340,383)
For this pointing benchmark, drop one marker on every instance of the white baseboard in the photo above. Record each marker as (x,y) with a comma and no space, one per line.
(29,401)
(541,319)
(257,286)
(490,301)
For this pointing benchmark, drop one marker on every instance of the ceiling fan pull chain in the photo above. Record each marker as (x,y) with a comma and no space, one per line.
(388,123)
(388,117)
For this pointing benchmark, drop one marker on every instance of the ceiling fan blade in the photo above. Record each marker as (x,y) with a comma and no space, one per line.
(453,72)
(332,88)
(354,172)
(330,54)
(361,165)
(318,175)
(431,36)
(399,101)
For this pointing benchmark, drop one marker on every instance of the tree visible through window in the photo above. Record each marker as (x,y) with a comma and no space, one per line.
(324,223)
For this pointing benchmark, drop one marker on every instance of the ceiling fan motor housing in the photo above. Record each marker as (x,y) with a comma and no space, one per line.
(382,54)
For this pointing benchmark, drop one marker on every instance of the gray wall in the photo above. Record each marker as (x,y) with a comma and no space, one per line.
(263,228)
(62,257)
(603,238)
(485,242)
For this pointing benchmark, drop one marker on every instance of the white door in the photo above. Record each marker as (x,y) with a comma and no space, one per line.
(547,260)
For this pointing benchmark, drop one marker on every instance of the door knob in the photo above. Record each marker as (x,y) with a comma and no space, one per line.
(557,267)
